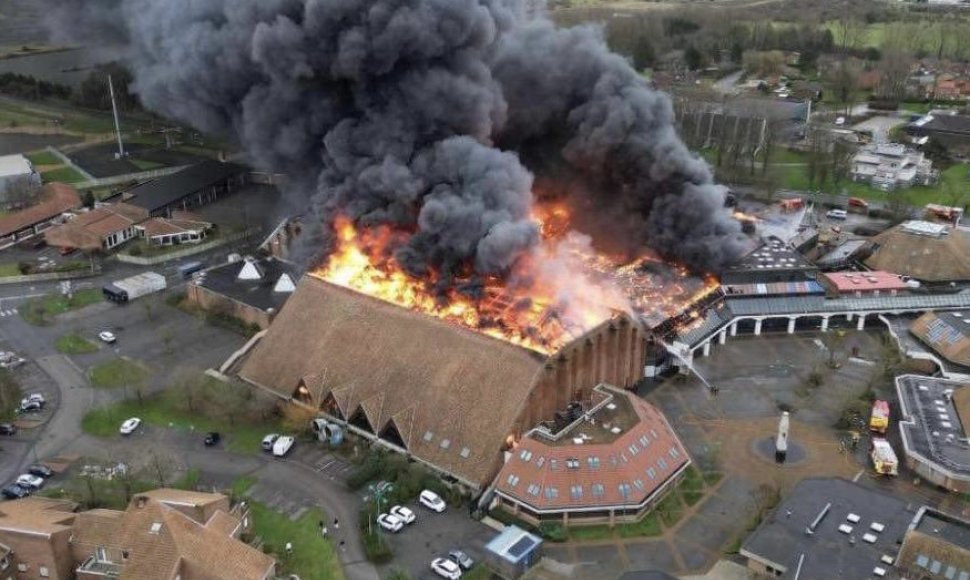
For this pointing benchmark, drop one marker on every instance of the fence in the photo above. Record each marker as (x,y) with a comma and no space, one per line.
(51,276)
(189,251)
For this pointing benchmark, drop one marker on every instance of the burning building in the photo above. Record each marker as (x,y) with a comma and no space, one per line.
(447,395)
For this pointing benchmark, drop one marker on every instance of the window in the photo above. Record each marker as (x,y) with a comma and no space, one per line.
(593,462)
(22,567)
(576,492)
(572,463)
(540,461)
(633,448)
(674,453)
(598,490)
(465,452)
(156,527)
(614,461)
(638,483)
(101,555)
(554,464)
(624,490)
(533,489)
(44,572)
(525,455)
(644,441)
(445,443)
(552,492)
(4,564)
(513,479)
(653,433)
(662,463)
(652,473)
(428,435)
(922,561)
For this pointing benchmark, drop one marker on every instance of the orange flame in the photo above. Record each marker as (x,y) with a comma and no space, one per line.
(553,295)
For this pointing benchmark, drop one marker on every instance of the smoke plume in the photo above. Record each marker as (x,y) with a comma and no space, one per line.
(433,115)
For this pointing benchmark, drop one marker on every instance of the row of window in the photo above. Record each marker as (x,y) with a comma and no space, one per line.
(446,443)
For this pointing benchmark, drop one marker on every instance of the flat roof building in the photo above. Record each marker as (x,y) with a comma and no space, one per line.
(772,262)
(829,528)
(865,283)
(947,333)
(933,429)
(513,552)
(252,289)
(936,545)
(612,463)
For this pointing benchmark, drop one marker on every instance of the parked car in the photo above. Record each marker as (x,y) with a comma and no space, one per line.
(33,398)
(402,513)
(40,470)
(390,522)
(837,214)
(446,568)
(9,360)
(432,501)
(129,426)
(283,446)
(269,440)
(30,481)
(7,428)
(66,250)
(30,406)
(14,491)
(212,438)
(462,559)
(107,337)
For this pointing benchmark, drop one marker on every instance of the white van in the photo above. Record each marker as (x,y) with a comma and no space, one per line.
(836,214)
(283,446)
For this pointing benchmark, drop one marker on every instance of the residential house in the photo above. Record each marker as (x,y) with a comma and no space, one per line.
(103,228)
(890,166)
(168,534)
(35,537)
(947,128)
(181,228)
(55,200)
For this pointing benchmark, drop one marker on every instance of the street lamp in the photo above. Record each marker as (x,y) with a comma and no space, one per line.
(378,492)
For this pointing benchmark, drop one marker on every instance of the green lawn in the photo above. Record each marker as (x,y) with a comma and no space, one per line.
(63,175)
(44,158)
(74,344)
(38,311)
(9,269)
(313,557)
(647,527)
(119,372)
(165,410)
(590,533)
(670,509)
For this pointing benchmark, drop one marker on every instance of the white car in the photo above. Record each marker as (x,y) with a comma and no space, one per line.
(446,568)
(107,337)
(390,522)
(30,481)
(283,446)
(129,426)
(269,440)
(33,398)
(837,214)
(432,501)
(402,513)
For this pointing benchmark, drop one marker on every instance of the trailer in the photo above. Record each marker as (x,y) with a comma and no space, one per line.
(883,457)
(879,420)
(122,291)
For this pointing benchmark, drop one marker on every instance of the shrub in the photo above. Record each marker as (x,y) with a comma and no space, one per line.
(135,251)
(552,532)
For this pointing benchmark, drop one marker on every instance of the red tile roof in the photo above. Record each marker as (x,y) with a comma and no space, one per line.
(849,282)
(559,476)
(55,199)
(88,229)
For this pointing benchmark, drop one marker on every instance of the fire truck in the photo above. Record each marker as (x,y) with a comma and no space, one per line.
(883,457)
(879,420)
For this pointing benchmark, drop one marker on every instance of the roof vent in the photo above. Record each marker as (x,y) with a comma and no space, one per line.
(156,527)
(284,284)
(250,270)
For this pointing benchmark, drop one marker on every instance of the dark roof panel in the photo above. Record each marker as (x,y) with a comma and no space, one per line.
(159,193)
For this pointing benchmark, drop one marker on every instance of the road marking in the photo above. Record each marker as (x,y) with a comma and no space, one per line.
(21,297)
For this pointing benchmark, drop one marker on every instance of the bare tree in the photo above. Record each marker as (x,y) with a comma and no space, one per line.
(20,191)
(849,34)
(893,72)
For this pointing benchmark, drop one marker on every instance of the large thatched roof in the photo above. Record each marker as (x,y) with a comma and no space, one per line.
(452,395)
(928,258)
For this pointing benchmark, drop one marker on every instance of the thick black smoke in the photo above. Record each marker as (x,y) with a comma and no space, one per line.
(420,112)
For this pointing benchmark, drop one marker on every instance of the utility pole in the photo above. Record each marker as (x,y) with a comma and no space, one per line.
(114,109)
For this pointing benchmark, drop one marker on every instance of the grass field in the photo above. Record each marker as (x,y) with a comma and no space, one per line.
(63,175)
(38,311)
(74,344)
(144,165)
(44,158)
(9,269)
(312,558)
(166,410)
(116,373)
